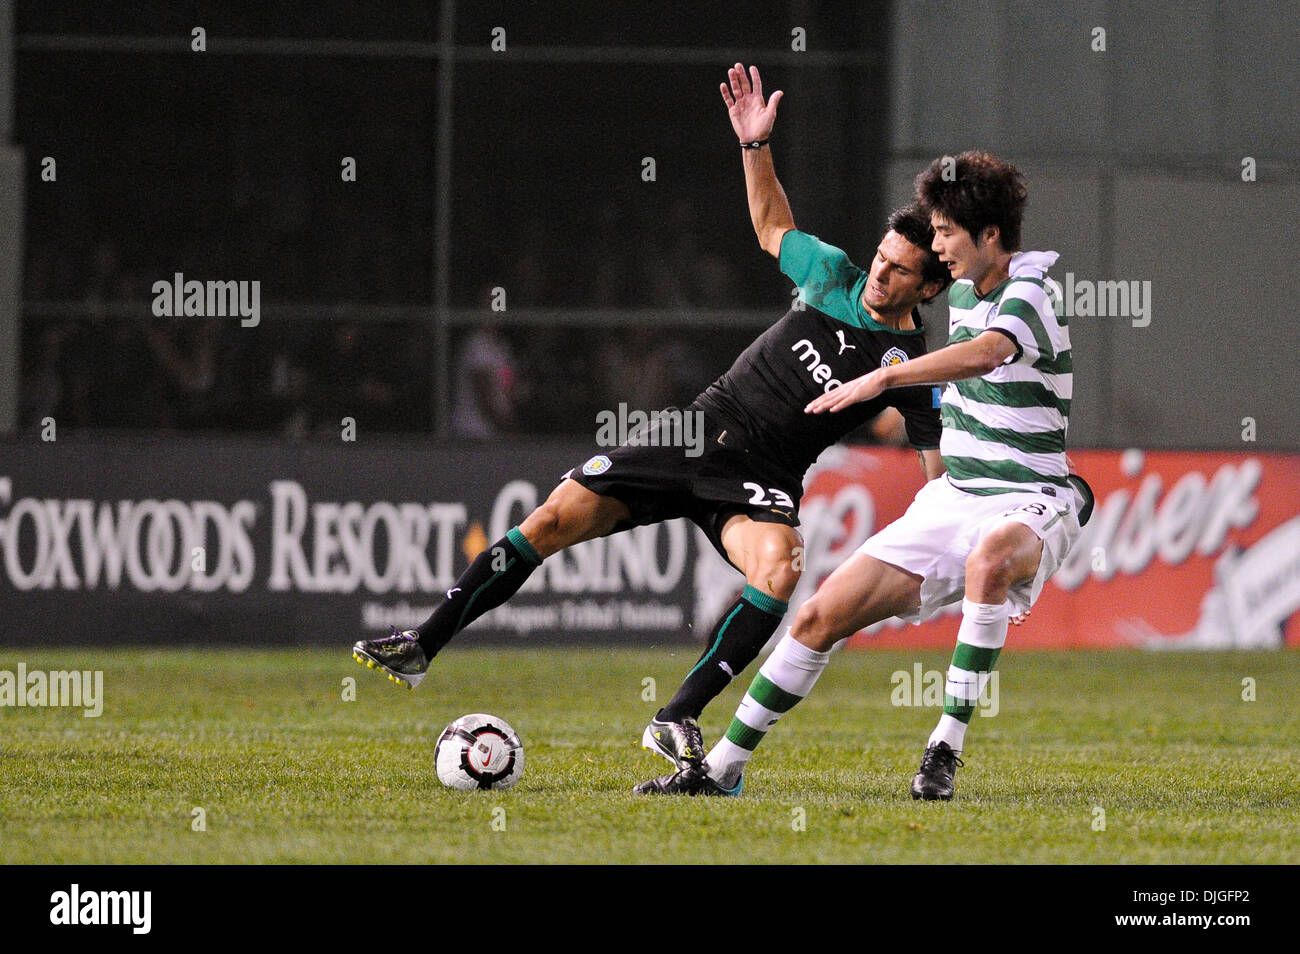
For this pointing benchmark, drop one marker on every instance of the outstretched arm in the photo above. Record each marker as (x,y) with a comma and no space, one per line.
(969,359)
(752,119)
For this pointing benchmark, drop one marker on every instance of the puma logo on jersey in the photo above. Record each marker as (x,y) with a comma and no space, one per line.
(821,372)
(844,344)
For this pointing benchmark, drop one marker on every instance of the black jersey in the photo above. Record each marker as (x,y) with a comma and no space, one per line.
(827,339)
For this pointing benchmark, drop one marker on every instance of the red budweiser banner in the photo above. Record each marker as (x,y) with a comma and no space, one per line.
(1184,550)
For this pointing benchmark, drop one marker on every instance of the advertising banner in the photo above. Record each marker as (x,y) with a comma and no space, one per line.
(244,542)
(1183,550)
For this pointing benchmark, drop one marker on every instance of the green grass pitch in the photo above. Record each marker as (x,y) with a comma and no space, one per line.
(286,770)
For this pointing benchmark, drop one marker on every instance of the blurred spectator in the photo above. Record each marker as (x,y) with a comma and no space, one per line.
(677,270)
(42,378)
(650,369)
(606,271)
(114,365)
(483,386)
(185,349)
(351,377)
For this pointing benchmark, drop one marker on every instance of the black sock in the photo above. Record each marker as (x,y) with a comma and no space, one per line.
(743,630)
(491,579)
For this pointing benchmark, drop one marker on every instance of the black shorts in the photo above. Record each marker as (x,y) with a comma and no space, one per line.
(726,478)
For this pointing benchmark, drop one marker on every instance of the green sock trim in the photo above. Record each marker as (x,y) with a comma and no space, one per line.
(771,696)
(742,735)
(959,709)
(763,601)
(973,659)
(521,544)
(716,643)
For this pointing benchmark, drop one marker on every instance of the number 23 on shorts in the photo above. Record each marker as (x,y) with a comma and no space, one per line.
(759,496)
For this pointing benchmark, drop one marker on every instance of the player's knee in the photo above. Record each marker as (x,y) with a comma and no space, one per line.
(990,564)
(778,565)
(544,528)
(779,580)
(811,627)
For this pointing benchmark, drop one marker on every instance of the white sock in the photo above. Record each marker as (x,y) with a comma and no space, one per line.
(950,730)
(983,625)
(980,638)
(784,679)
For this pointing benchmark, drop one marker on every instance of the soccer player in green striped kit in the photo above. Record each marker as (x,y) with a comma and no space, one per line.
(994,529)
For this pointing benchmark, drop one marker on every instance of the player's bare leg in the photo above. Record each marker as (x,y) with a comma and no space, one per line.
(860,592)
(571,514)
(767,553)
(1004,556)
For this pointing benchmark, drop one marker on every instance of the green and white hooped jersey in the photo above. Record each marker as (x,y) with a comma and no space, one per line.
(1006,429)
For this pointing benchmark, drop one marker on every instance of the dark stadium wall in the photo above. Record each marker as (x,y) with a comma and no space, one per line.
(11,232)
(1136,160)
(11,258)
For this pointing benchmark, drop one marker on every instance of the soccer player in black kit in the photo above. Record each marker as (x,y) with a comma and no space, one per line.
(744,489)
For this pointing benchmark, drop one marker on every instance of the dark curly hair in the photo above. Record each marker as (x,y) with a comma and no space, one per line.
(983,190)
(914,225)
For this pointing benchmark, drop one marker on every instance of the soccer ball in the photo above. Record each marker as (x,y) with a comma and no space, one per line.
(479,751)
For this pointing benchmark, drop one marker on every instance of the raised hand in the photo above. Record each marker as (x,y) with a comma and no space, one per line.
(751,118)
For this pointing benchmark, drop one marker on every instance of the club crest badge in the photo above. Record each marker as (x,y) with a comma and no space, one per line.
(597,465)
(892,357)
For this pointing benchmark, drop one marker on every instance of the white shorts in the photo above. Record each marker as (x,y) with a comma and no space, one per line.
(943,525)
